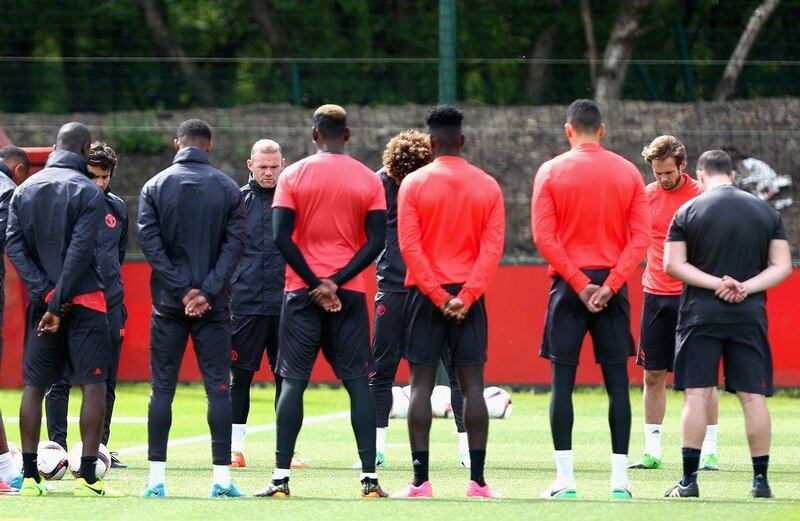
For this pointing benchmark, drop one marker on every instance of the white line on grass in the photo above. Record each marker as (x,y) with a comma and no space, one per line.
(261,428)
(76,419)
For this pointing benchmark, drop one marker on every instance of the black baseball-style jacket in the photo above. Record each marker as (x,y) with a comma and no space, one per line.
(257,285)
(192,230)
(53,221)
(112,244)
(7,187)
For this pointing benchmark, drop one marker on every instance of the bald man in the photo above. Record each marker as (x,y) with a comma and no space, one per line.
(53,222)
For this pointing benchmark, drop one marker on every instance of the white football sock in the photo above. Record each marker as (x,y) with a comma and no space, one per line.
(463,443)
(281,473)
(710,441)
(238,432)
(619,470)
(564,466)
(370,475)
(8,471)
(652,439)
(158,473)
(380,440)
(222,475)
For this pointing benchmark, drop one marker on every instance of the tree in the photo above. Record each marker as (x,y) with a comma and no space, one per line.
(757,20)
(610,73)
(171,46)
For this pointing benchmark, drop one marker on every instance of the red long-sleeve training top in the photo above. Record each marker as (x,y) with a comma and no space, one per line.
(589,210)
(451,228)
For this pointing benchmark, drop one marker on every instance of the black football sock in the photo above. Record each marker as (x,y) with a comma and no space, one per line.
(56,404)
(457,402)
(362,418)
(240,394)
(760,464)
(419,460)
(89,469)
(29,467)
(615,377)
(289,418)
(691,460)
(561,412)
(477,460)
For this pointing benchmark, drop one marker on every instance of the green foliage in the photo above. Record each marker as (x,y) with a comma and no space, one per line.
(376,29)
(129,136)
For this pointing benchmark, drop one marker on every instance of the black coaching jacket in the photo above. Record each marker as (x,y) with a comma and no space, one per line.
(7,187)
(112,244)
(191,229)
(53,221)
(257,286)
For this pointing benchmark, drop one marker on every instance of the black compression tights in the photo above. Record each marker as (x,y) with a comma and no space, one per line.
(289,418)
(619,406)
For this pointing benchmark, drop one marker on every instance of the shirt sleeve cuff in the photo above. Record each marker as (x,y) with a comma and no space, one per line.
(614,281)
(466,297)
(579,281)
(438,296)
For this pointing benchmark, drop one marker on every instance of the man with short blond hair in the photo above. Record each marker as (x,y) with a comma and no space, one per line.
(256,291)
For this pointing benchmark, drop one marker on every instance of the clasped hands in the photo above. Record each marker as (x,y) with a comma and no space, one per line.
(195,304)
(454,309)
(596,297)
(325,296)
(731,290)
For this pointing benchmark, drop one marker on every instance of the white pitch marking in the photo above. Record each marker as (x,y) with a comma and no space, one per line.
(76,419)
(261,428)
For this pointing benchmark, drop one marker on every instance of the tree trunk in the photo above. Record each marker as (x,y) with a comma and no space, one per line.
(537,70)
(591,42)
(171,46)
(262,13)
(611,73)
(727,83)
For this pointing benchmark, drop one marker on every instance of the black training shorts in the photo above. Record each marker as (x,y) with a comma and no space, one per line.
(568,320)
(82,344)
(744,351)
(253,335)
(429,336)
(387,338)
(657,339)
(343,336)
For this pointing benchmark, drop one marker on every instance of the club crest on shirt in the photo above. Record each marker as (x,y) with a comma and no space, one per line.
(111,221)
(381,309)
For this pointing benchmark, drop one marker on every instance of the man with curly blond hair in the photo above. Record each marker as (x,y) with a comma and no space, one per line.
(406,152)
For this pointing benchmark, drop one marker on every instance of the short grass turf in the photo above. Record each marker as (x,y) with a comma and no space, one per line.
(519,465)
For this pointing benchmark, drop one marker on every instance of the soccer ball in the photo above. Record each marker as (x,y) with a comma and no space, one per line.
(101,467)
(16,455)
(52,460)
(400,400)
(498,402)
(440,401)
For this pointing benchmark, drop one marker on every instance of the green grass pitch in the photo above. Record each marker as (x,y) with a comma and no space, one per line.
(519,465)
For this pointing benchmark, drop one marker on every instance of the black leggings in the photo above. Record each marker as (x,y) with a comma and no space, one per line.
(241,380)
(619,406)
